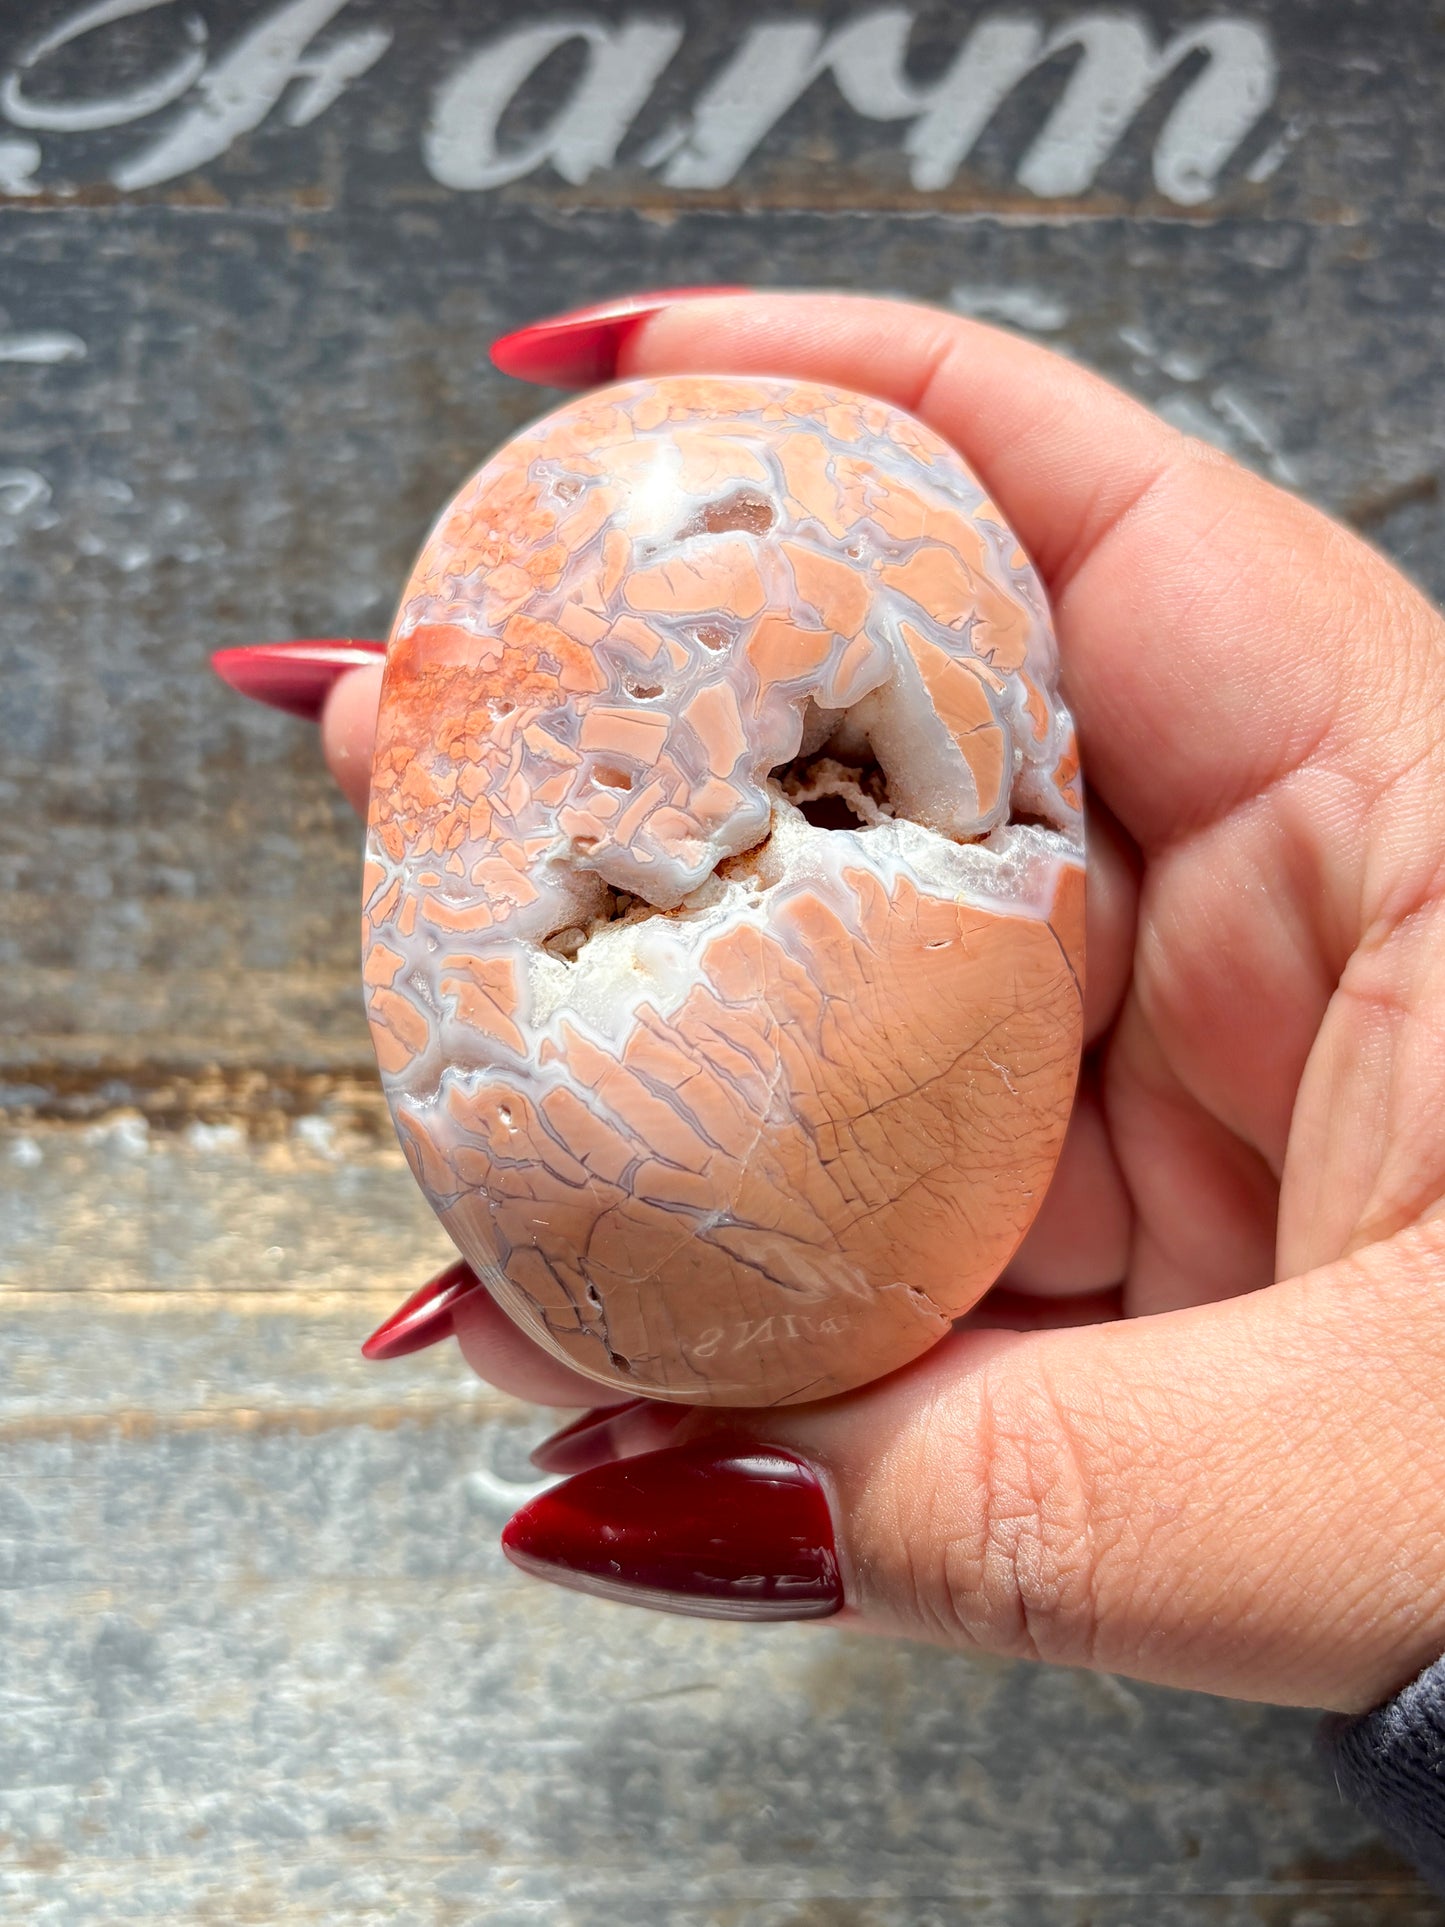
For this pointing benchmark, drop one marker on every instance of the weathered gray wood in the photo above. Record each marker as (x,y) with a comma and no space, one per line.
(259,1657)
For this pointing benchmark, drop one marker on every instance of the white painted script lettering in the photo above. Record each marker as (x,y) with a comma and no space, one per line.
(1120,67)
(1119,70)
(211,98)
(239,91)
(623,66)
(114,110)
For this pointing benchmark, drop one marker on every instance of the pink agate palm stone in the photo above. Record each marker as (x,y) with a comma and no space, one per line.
(724,887)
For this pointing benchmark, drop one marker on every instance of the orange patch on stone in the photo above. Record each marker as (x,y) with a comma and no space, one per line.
(713,716)
(638,736)
(780,651)
(485,989)
(399,1029)
(804,459)
(838,592)
(962,705)
(938,581)
(716,573)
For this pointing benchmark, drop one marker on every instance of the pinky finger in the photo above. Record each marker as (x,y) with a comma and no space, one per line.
(502,1354)
(456,1304)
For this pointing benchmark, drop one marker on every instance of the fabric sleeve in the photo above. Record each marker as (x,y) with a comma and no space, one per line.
(1391,1764)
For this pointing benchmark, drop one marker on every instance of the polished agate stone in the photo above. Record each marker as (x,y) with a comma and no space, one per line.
(724,887)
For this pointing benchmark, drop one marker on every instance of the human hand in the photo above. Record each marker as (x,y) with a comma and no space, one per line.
(1229,1480)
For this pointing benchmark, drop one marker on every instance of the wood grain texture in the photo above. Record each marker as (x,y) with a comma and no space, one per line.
(260,1659)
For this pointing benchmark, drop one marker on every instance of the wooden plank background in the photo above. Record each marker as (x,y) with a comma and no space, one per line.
(259,1657)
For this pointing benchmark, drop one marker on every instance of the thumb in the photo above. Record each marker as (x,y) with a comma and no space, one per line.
(1242,1498)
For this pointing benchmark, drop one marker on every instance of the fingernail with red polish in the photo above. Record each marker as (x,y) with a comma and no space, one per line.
(600,1436)
(426,1317)
(716,1529)
(294,676)
(575,349)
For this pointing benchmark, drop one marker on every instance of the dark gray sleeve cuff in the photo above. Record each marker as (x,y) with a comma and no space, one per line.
(1391,1764)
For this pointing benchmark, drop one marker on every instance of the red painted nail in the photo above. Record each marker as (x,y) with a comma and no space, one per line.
(426,1317)
(605,1434)
(718,1529)
(575,349)
(294,676)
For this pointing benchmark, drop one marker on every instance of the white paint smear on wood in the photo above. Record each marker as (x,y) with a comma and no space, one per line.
(42,345)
